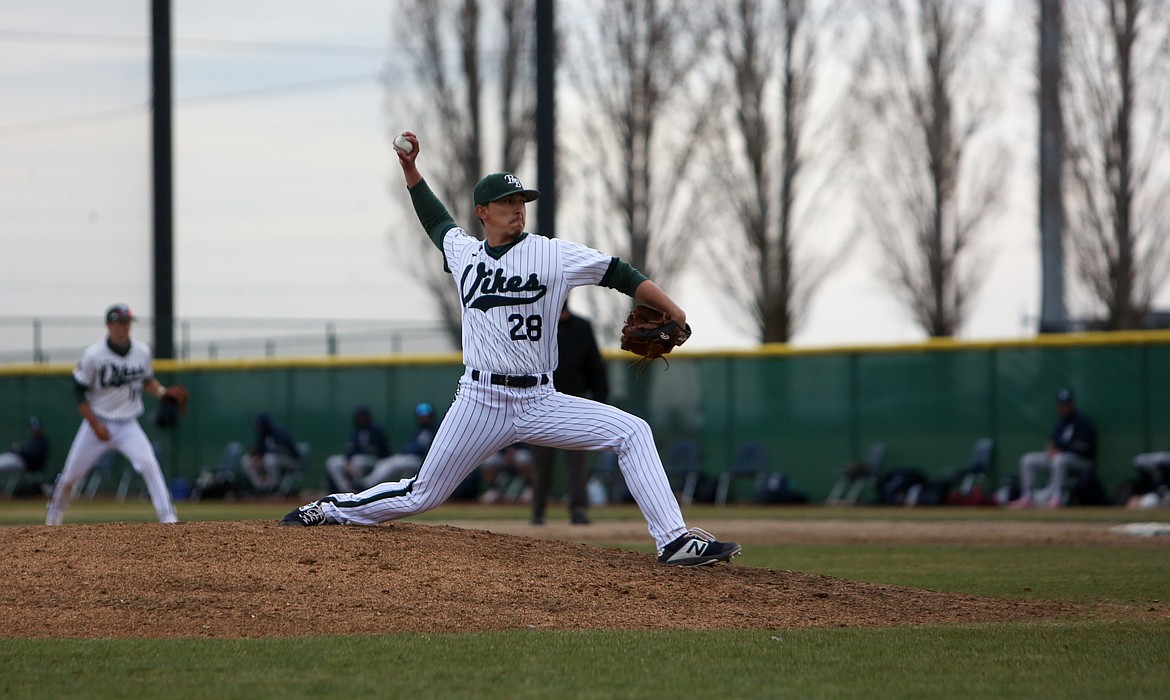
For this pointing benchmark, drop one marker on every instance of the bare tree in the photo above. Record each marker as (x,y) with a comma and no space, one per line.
(451,68)
(772,48)
(1118,91)
(928,192)
(637,67)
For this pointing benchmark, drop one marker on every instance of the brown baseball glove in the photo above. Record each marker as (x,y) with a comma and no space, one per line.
(172,404)
(649,333)
(178,394)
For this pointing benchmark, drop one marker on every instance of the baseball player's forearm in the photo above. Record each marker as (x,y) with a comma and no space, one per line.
(411,174)
(433,216)
(651,294)
(153,387)
(86,412)
(95,424)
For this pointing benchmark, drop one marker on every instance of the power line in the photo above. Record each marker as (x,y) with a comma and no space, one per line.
(278,90)
(73,121)
(132,111)
(114,41)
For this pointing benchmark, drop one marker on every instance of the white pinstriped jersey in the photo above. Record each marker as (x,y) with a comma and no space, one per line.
(511,305)
(114,383)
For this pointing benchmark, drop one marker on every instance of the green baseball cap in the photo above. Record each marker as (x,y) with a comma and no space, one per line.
(500,185)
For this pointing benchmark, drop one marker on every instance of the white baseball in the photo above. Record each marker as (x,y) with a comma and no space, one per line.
(402,144)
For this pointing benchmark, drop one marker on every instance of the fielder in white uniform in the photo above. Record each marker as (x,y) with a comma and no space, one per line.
(512,287)
(109,381)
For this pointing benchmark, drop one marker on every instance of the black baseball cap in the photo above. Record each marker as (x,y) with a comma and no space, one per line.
(1065,396)
(499,185)
(118,312)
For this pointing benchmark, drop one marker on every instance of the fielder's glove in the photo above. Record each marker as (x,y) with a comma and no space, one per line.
(171,405)
(177,394)
(649,333)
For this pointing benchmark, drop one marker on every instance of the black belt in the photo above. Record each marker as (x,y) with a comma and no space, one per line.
(517,381)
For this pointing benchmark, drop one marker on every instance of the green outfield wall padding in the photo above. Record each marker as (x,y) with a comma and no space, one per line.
(814,411)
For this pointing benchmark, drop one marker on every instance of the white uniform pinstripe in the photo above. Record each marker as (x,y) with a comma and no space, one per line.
(115,395)
(510,311)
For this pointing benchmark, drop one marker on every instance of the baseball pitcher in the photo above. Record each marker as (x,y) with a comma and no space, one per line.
(512,286)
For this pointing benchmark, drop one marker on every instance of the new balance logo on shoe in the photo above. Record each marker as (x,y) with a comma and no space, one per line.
(697,548)
(306,515)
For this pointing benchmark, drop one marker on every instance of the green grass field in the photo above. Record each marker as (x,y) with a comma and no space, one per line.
(1110,652)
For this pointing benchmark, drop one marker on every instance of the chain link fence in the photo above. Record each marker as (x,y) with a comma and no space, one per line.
(61,339)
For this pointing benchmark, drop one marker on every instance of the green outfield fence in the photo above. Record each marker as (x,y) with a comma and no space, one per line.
(814,410)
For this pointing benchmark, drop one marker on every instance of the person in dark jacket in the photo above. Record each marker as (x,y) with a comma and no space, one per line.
(1071,446)
(405,462)
(30,455)
(581,372)
(367,444)
(274,454)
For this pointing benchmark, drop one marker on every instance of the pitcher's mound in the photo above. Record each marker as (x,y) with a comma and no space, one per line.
(256,579)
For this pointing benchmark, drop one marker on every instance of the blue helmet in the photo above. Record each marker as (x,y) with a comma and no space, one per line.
(424,410)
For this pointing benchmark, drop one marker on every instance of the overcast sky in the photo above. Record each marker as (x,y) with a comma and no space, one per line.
(286,190)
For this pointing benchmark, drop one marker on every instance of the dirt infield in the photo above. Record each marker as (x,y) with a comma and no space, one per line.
(255,579)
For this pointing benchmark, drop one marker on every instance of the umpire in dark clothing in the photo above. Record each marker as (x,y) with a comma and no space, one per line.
(580,372)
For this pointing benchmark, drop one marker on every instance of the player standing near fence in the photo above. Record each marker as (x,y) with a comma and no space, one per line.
(512,287)
(108,382)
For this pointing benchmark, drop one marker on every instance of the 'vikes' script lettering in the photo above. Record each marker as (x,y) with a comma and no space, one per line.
(485,289)
(119,375)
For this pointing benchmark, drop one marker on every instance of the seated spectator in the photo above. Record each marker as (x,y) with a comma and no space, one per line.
(274,454)
(508,474)
(405,463)
(367,444)
(29,456)
(1072,445)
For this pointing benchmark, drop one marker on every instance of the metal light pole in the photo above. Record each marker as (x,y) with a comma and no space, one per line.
(164,266)
(546,118)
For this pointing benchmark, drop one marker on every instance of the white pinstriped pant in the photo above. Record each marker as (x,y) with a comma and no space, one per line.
(127,437)
(485,418)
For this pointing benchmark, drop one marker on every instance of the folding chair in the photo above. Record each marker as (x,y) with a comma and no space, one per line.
(1082,487)
(751,462)
(14,479)
(854,478)
(979,465)
(101,469)
(219,479)
(292,477)
(607,472)
(684,466)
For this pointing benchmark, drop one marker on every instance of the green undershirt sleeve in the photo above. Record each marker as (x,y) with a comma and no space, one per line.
(433,216)
(622,276)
